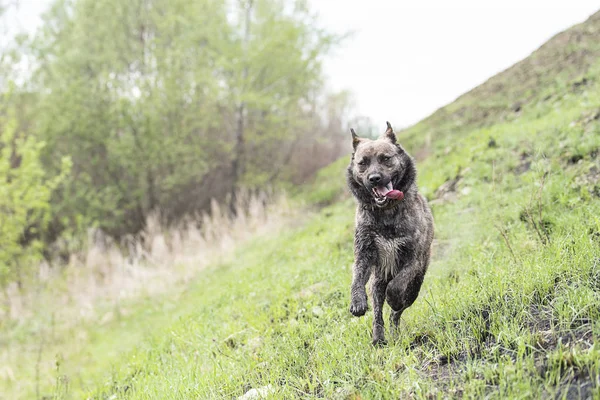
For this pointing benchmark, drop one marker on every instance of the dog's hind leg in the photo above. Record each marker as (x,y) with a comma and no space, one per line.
(378,294)
(403,290)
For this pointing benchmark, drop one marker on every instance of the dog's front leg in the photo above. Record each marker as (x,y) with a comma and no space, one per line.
(364,258)
(378,293)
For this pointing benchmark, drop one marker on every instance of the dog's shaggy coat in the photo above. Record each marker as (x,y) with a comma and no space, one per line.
(392,242)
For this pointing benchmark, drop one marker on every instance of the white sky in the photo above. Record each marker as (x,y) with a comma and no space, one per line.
(408,58)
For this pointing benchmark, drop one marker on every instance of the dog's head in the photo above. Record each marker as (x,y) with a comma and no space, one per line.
(380,171)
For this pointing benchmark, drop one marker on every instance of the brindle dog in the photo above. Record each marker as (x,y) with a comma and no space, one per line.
(394,229)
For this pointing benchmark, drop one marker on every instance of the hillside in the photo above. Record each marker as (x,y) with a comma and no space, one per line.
(510,307)
(563,66)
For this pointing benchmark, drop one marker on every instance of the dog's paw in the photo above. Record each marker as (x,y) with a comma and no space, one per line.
(359,307)
(379,342)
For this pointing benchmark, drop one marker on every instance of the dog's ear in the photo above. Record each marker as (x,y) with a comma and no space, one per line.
(389,133)
(355,139)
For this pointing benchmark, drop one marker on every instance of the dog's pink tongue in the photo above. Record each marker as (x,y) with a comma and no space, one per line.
(389,192)
(383,191)
(395,194)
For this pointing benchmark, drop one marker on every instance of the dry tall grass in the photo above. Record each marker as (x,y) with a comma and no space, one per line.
(154,262)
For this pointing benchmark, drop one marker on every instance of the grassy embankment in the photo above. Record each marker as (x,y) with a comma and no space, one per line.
(510,307)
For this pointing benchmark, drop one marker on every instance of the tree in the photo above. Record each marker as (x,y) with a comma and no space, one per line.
(25,192)
(274,67)
(163,105)
(133,99)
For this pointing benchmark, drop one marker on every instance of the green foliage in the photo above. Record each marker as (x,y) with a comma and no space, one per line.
(160,104)
(25,192)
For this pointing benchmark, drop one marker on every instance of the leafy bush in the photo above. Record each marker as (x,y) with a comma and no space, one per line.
(25,193)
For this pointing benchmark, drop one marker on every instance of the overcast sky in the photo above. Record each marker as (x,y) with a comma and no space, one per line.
(408,58)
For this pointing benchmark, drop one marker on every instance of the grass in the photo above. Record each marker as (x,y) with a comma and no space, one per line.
(509,309)
(72,325)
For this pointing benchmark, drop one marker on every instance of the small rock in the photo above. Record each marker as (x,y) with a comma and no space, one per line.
(255,343)
(233,339)
(255,394)
(311,290)
(343,392)
(109,316)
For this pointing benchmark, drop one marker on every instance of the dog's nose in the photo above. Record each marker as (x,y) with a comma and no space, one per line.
(374,178)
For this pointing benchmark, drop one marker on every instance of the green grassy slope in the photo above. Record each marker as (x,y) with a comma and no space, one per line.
(509,309)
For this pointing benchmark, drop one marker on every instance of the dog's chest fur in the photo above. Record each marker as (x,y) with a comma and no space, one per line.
(387,252)
(393,234)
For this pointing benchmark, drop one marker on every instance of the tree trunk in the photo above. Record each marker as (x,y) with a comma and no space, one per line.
(238,155)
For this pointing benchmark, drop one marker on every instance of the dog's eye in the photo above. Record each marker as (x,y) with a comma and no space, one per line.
(386,158)
(362,162)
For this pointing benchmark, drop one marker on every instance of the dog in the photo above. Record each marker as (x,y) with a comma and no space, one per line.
(393,230)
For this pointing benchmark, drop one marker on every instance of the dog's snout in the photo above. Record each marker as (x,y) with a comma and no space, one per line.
(374,178)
